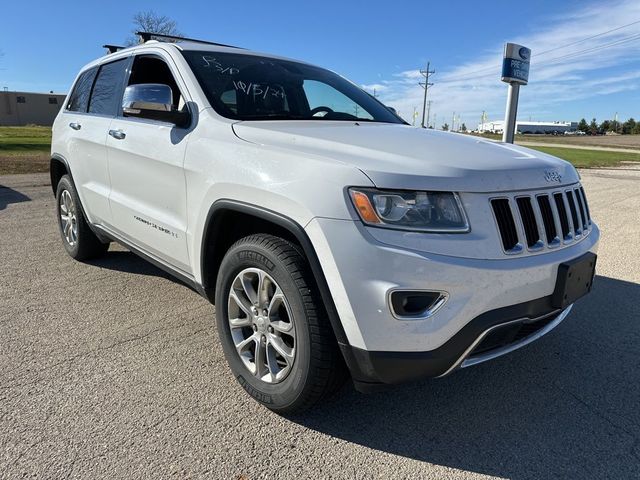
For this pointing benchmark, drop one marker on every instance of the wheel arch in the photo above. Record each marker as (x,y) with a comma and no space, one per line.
(58,167)
(221,231)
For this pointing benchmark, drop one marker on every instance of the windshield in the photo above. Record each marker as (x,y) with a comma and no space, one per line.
(250,87)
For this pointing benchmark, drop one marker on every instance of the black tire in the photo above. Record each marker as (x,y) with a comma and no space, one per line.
(318,369)
(86,245)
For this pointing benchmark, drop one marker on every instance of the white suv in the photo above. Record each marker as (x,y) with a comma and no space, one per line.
(333,238)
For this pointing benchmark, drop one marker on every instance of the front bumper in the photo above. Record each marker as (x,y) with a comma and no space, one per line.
(372,370)
(482,294)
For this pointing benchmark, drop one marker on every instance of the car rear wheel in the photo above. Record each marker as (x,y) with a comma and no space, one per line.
(78,239)
(273,326)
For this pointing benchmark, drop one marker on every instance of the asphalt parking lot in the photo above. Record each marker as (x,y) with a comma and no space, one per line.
(113,370)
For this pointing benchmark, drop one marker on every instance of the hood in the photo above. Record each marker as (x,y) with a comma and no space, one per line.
(404,157)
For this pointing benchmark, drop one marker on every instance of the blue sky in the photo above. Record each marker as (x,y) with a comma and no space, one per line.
(375,44)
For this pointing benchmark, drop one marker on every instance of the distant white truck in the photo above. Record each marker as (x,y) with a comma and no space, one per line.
(332,237)
(531,127)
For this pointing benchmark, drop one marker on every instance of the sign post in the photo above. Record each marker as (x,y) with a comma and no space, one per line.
(515,72)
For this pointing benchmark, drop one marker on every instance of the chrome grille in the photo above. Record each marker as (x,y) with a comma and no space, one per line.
(541,220)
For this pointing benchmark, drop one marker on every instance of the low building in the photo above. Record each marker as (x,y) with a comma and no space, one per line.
(29,108)
(530,127)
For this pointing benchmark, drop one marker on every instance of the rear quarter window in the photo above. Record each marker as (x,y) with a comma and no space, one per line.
(106,96)
(79,98)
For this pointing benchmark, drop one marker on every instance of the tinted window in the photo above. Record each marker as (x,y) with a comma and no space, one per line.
(320,95)
(251,87)
(106,96)
(79,98)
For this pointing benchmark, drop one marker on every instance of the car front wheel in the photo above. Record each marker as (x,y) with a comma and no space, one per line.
(273,326)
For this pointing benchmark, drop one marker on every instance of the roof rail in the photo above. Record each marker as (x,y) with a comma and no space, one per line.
(112,48)
(146,36)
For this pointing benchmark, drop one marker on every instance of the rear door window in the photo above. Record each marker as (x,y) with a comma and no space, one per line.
(79,98)
(106,96)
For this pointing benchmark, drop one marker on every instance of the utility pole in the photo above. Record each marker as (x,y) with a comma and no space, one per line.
(428,112)
(415,115)
(426,85)
(453,122)
(483,120)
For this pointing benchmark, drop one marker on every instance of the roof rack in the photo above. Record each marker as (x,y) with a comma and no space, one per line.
(112,48)
(146,36)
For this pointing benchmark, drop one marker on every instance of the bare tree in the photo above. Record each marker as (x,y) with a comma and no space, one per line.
(150,21)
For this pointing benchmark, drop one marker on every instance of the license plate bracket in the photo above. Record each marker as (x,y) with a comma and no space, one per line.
(574,280)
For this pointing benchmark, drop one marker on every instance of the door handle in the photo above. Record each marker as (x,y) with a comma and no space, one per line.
(75,126)
(117,134)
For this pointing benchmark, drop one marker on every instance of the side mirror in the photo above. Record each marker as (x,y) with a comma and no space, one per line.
(153,101)
(392,110)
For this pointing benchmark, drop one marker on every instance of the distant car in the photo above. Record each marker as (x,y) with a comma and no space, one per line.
(326,230)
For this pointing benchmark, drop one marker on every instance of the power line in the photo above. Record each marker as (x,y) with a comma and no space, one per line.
(588,38)
(474,75)
(549,61)
(591,49)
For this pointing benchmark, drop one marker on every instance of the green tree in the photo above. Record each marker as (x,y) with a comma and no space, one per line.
(463,128)
(593,127)
(615,126)
(583,126)
(150,21)
(605,126)
(445,127)
(629,126)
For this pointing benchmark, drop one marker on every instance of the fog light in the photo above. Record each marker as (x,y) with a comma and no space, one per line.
(412,304)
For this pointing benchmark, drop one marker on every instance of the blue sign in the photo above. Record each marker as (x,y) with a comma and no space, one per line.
(515,64)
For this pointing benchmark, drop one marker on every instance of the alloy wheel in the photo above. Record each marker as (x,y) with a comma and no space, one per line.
(261,324)
(68,218)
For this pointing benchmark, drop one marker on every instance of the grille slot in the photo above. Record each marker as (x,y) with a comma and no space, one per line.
(528,221)
(562,213)
(586,205)
(506,223)
(547,218)
(574,213)
(511,334)
(583,212)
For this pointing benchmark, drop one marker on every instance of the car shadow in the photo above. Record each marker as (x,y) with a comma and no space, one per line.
(9,195)
(565,406)
(129,262)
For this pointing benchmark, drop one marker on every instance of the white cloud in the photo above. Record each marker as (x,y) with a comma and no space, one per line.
(475,87)
(377,87)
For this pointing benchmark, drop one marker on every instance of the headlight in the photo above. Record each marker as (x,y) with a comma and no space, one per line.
(438,212)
